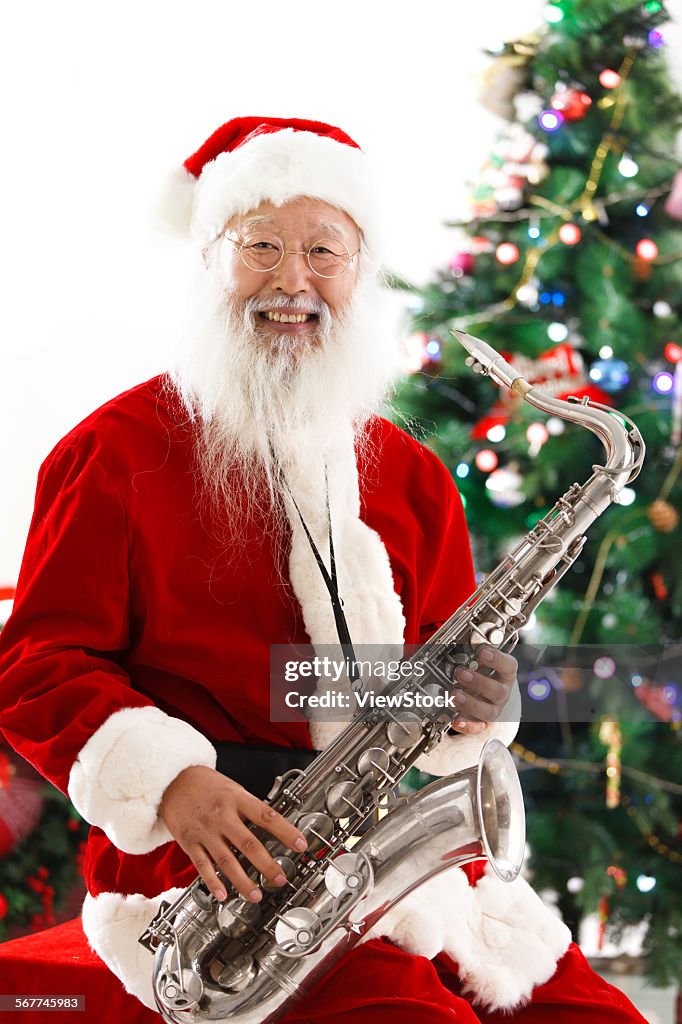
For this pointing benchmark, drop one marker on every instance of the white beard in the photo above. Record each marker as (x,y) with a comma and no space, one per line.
(266,404)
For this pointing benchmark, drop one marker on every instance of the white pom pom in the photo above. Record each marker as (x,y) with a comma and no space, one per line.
(174,210)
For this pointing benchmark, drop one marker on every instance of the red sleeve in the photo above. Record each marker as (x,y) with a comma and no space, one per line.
(450,568)
(60,676)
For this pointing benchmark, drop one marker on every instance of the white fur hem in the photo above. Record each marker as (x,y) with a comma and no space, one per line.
(456,753)
(504,939)
(120,775)
(502,936)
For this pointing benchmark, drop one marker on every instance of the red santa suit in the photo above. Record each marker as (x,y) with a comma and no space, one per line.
(140,634)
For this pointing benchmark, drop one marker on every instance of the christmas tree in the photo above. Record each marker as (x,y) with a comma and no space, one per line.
(569,265)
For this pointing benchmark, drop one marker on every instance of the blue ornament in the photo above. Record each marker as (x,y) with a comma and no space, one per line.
(610,375)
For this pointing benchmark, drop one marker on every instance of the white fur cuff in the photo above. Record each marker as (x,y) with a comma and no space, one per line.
(457,753)
(121,773)
(112,924)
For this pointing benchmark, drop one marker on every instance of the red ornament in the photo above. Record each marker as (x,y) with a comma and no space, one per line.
(461,263)
(655,699)
(660,588)
(572,103)
(617,874)
(479,243)
(673,352)
(3,905)
(498,415)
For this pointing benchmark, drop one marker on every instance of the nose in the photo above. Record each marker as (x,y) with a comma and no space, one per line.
(293,274)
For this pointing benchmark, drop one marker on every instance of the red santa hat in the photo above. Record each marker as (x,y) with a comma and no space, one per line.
(249,160)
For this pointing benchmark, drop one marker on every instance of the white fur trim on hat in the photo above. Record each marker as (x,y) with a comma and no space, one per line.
(120,775)
(273,167)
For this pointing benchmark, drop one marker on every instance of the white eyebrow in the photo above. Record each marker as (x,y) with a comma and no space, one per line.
(330,228)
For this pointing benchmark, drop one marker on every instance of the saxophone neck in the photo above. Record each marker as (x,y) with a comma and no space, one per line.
(622,440)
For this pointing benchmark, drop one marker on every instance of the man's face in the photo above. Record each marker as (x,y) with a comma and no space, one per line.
(292,288)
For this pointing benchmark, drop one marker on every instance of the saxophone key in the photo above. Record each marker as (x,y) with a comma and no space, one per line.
(487,633)
(318,825)
(374,762)
(345,874)
(341,799)
(238,917)
(297,929)
(404,731)
(180,992)
(288,869)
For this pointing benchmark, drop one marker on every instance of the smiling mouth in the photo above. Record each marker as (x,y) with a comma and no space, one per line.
(281,317)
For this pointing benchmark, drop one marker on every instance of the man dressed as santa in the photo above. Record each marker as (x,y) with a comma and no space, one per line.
(175,539)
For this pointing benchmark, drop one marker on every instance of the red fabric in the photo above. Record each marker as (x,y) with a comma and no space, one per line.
(59,962)
(375,983)
(127,597)
(241,130)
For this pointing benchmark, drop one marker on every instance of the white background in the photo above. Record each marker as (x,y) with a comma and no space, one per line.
(102,99)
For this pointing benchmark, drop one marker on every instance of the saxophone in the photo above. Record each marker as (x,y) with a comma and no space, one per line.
(250,962)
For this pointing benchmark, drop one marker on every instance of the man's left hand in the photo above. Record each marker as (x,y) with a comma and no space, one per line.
(481,695)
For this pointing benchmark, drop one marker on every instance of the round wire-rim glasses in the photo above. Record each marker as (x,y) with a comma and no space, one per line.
(328,257)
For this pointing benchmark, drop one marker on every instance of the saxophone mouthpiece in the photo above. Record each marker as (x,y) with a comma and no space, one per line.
(484,359)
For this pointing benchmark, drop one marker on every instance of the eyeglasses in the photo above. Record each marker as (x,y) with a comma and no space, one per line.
(327,257)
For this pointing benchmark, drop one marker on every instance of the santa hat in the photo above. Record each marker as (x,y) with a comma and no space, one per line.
(250,160)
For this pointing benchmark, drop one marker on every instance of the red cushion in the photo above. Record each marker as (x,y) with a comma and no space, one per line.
(59,962)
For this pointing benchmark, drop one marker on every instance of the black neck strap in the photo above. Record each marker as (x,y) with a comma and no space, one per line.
(332,586)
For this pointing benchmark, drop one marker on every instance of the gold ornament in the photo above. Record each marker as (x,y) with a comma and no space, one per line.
(610,736)
(572,679)
(662,516)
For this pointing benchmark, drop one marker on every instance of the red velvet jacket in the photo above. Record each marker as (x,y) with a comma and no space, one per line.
(127,598)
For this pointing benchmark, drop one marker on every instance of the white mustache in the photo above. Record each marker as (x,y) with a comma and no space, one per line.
(261,303)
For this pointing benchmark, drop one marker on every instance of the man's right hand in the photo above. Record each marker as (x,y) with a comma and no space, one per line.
(205,813)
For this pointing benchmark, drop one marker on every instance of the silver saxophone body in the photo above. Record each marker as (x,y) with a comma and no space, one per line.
(250,962)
